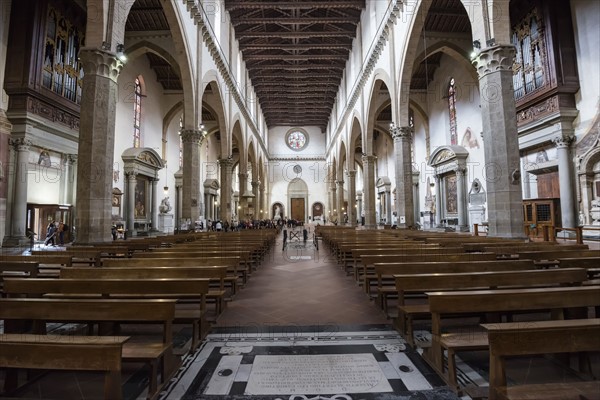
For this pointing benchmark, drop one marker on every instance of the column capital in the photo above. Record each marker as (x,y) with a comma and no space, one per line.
(192,136)
(461,171)
(492,59)
(242,175)
(255,184)
(401,133)
(563,141)
(351,173)
(131,175)
(100,63)
(340,182)
(369,159)
(225,162)
(20,144)
(72,158)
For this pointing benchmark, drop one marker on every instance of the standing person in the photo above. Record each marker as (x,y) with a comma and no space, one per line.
(50,233)
(219,226)
(62,227)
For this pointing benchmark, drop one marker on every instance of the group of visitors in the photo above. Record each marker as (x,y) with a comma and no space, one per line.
(55,233)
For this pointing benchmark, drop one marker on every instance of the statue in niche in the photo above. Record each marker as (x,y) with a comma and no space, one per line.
(165,206)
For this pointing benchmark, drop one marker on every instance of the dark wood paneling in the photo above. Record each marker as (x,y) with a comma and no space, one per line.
(298,209)
(548,187)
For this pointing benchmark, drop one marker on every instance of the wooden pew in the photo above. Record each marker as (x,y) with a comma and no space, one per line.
(367,273)
(158,354)
(119,288)
(17,268)
(84,353)
(421,283)
(86,256)
(217,274)
(388,269)
(442,304)
(556,254)
(232,264)
(542,337)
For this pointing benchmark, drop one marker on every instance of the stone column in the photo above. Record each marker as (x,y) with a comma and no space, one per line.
(191,140)
(438,201)
(225,165)
(16,232)
(262,202)
(243,186)
(359,207)
(369,190)
(388,206)
(403,175)
(334,208)
(131,181)
(461,200)
(351,197)
(500,143)
(154,206)
(71,178)
(255,200)
(207,206)
(178,198)
(340,201)
(96,146)
(566,182)
(415,189)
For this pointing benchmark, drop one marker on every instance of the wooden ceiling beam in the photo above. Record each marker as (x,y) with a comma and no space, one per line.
(231,5)
(290,67)
(294,35)
(295,21)
(301,57)
(296,47)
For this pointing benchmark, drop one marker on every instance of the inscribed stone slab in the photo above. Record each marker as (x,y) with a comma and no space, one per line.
(316,374)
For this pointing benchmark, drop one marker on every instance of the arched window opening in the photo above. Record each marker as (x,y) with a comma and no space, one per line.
(137,113)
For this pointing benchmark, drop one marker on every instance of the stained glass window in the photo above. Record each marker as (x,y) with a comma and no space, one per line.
(137,113)
(61,70)
(296,140)
(180,142)
(452,111)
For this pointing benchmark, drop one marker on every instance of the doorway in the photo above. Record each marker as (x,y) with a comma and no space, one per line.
(298,209)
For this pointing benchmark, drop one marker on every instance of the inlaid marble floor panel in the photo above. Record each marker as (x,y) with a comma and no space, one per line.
(306,363)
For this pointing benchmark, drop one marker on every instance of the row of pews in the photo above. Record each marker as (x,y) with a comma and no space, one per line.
(158,282)
(534,298)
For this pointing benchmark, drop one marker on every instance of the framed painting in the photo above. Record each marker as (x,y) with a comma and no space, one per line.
(141,187)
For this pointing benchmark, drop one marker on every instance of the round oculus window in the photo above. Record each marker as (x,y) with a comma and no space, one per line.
(296,140)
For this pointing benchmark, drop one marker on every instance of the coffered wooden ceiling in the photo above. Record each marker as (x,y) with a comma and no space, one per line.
(295,52)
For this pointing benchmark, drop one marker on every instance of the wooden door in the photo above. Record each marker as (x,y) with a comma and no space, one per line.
(298,209)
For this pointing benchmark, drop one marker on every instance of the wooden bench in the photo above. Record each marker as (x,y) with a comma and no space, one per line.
(388,269)
(543,337)
(84,353)
(369,275)
(444,304)
(86,256)
(216,274)
(421,283)
(119,288)
(232,264)
(157,353)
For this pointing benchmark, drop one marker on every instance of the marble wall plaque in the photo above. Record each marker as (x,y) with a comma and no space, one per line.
(477,199)
(316,374)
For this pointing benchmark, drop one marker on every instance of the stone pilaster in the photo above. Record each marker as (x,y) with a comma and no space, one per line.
(262,204)
(17,225)
(501,147)
(438,201)
(131,181)
(225,164)
(403,176)
(566,182)
(359,212)
(351,197)
(340,201)
(154,206)
(369,190)
(96,146)
(191,140)
(461,200)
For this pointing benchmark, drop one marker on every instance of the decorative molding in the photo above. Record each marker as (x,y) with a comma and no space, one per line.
(563,141)
(47,111)
(369,159)
(20,144)
(538,111)
(497,58)
(225,162)
(191,136)
(100,63)
(401,133)
(297,158)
